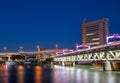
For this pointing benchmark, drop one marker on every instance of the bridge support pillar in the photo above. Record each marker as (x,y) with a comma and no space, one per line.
(9,58)
(26,57)
(59,63)
(63,63)
(107,66)
(51,62)
(73,63)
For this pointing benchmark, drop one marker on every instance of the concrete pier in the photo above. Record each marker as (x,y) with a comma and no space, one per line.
(73,63)
(63,63)
(107,66)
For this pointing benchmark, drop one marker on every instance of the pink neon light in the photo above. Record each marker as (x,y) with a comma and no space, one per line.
(57,53)
(64,51)
(77,46)
(67,50)
(113,36)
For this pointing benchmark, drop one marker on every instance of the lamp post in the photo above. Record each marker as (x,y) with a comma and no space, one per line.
(76,46)
(56,47)
(21,48)
(38,48)
(5,48)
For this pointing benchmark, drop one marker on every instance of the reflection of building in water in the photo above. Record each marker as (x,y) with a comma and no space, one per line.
(38,74)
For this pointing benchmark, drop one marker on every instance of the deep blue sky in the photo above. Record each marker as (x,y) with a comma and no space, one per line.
(49,22)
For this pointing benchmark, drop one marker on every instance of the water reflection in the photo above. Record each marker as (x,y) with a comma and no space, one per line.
(3,74)
(85,76)
(96,77)
(38,74)
(110,77)
(66,75)
(21,74)
(56,74)
(78,75)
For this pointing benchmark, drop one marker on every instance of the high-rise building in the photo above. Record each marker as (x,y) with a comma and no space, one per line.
(94,33)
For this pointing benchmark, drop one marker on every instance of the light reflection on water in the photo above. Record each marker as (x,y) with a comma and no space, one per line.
(38,74)
(110,77)
(85,76)
(4,74)
(96,77)
(55,74)
(21,74)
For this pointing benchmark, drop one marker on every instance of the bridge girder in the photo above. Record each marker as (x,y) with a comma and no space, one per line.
(109,55)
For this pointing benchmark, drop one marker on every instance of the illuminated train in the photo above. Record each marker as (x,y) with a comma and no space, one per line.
(112,42)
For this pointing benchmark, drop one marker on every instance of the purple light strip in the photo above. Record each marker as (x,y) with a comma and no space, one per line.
(57,53)
(77,46)
(113,36)
(67,50)
(63,51)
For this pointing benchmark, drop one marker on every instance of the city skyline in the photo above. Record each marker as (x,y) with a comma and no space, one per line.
(47,23)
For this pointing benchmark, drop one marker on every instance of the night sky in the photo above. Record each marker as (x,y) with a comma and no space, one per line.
(45,23)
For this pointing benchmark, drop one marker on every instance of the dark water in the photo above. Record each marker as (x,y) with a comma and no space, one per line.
(56,74)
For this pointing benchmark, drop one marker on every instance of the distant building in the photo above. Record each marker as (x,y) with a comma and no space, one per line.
(94,33)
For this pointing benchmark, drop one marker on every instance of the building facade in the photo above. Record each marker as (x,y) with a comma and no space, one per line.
(94,33)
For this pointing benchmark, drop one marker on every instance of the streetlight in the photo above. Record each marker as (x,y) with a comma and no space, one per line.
(77,46)
(38,48)
(56,46)
(5,48)
(21,48)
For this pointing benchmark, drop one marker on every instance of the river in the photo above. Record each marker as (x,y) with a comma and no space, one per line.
(56,74)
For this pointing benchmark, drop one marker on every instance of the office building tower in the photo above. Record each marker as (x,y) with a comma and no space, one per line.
(94,33)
